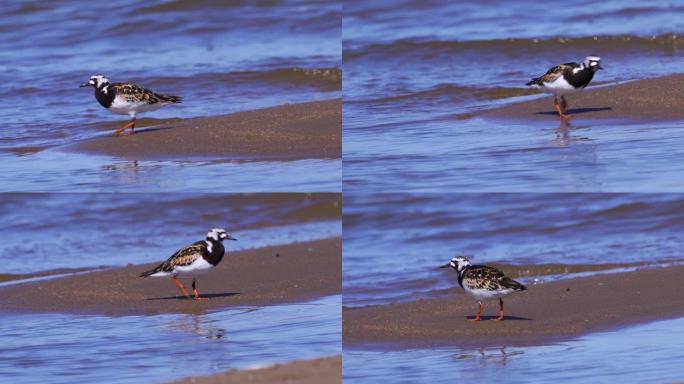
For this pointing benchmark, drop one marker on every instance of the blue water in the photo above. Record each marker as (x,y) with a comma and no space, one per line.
(82,230)
(394,243)
(217,55)
(60,348)
(647,353)
(56,171)
(417,73)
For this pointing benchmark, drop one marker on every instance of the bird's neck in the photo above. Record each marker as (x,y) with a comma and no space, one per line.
(216,251)
(104,96)
(461,274)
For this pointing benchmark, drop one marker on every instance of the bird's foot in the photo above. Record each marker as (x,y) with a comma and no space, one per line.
(475,319)
(500,318)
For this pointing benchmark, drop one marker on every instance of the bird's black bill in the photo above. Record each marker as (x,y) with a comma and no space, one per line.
(230,238)
(447,265)
(84,85)
(599,66)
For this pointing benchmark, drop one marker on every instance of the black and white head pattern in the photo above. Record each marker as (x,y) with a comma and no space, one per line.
(218,234)
(459,263)
(98,81)
(593,63)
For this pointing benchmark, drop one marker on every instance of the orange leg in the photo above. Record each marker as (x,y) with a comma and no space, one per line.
(479,312)
(560,108)
(564,105)
(197,296)
(501,315)
(181,286)
(130,124)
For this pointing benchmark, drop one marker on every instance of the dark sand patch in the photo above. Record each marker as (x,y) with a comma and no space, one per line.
(264,276)
(326,370)
(659,98)
(293,131)
(546,312)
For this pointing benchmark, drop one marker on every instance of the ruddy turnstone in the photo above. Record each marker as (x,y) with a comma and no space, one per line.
(566,79)
(483,283)
(193,261)
(127,99)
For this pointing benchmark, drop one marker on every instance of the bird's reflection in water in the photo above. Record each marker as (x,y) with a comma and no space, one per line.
(198,325)
(563,133)
(563,137)
(125,171)
(490,355)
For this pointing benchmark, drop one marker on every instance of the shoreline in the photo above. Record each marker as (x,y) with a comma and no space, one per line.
(262,276)
(310,130)
(547,312)
(321,370)
(653,99)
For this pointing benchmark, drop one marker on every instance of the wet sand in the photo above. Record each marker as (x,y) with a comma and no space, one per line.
(325,371)
(544,313)
(293,131)
(659,98)
(264,276)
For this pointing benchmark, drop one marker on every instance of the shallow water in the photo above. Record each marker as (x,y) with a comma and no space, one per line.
(394,243)
(61,348)
(647,353)
(55,171)
(411,88)
(56,230)
(217,55)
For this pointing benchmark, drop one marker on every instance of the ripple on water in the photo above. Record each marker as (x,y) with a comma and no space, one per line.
(61,348)
(646,353)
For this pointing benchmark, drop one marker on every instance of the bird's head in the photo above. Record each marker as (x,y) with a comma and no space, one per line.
(218,234)
(458,263)
(96,81)
(593,63)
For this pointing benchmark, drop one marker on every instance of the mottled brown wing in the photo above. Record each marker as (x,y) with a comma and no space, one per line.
(135,93)
(480,276)
(185,256)
(555,72)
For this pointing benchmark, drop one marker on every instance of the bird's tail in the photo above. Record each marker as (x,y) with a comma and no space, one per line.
(170,99)
(512,284)
(151,271)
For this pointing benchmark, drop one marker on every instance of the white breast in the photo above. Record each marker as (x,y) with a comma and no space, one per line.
(486,294)
(122,106)
(560,87)
(197,268)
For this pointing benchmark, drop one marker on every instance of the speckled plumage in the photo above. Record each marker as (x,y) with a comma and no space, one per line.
(193,260)
(484,277)
(127,98)
(483,282)
(189,255)
(566,79)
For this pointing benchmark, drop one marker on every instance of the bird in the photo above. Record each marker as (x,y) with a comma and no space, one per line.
(566,79)
(483,283)
(193,261)
(127,99)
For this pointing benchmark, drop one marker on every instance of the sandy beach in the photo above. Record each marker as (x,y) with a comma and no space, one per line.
(291,131)
(326,370)
(263,276)
(544,313)
(659,98)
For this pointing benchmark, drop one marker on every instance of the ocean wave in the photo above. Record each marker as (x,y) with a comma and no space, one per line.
(451,91)
(324,79)
(591,44)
